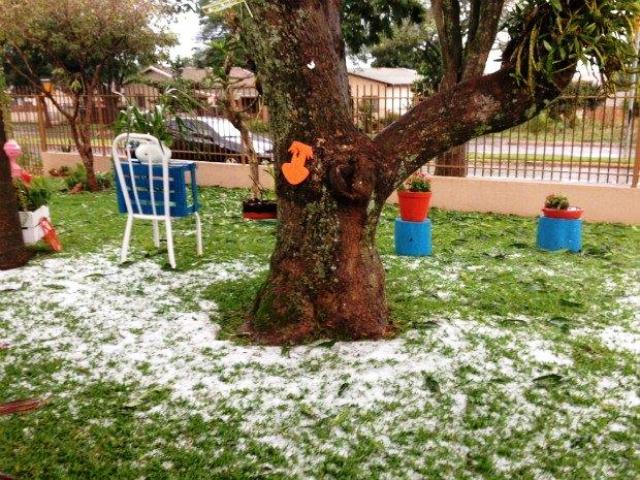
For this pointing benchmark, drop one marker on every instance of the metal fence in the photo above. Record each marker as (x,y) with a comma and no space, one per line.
(591,138)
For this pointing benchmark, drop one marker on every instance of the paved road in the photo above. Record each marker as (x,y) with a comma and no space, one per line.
(592,151)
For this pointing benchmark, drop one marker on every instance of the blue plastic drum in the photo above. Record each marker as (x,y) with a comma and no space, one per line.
(559,234)
(413,238)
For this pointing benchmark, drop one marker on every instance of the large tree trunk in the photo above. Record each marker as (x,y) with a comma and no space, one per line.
(13,253)
(326,278)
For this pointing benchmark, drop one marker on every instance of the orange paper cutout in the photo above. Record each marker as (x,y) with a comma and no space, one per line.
(295,171)
(301,150)
(50,235)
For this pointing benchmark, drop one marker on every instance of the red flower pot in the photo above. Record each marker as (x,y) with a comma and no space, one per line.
(572,213)
(414,206)
(259,210)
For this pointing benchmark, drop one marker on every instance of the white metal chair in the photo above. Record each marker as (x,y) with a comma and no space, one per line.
(156,191)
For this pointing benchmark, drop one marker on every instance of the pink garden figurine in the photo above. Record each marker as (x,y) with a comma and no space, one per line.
(14,151)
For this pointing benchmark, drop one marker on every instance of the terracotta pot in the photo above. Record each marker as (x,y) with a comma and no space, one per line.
(259,210)
(414,206)
(572,213)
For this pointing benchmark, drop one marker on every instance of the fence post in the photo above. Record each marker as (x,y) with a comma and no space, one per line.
(636,165)
(101,102)
(42,128)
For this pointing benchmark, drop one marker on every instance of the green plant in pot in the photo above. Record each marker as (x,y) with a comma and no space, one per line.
(172,103)
(34,204)
(558,206)
(414,196)
(153,122)
(34,195)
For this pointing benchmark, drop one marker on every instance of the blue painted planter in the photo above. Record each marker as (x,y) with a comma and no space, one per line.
(413,239)
(559,234)
(183,197)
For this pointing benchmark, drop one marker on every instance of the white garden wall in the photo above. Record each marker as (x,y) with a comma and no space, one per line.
(519,197)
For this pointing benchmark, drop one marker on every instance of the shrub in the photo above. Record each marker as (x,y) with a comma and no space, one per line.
(78,176)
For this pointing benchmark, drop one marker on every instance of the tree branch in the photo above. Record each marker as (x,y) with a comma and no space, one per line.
(447,17)
(480,40)
(474,19)
(452,117)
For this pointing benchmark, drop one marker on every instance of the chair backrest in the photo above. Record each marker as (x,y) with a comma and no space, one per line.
(138,182)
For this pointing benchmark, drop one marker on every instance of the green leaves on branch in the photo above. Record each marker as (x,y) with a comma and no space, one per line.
(364,23)
(552,36)
(79,41)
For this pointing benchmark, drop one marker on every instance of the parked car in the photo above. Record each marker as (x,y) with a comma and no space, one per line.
(214,139)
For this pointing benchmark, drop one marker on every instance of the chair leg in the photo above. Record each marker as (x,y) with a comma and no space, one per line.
(127,239)
(156,234)
(199,248)
(172,255)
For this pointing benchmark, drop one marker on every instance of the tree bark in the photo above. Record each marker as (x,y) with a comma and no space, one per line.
(13,253)
(81,134)
(326,277)
(85,148)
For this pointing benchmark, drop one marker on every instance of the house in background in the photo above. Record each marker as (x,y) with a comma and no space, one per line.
(146,88)
(384,92)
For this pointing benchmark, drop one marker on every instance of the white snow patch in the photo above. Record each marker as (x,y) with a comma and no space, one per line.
(132,325)
(619,338)
(540,352)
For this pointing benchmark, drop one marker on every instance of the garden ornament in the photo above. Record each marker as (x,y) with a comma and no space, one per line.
(295,171)
(14,151)
(152,153)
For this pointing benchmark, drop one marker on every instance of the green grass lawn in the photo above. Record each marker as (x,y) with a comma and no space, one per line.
(509,363)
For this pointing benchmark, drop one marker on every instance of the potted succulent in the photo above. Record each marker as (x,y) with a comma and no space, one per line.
(34,200)
(414,196)
(557,206)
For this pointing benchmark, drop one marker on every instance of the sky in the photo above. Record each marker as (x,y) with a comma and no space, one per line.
(187,28)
